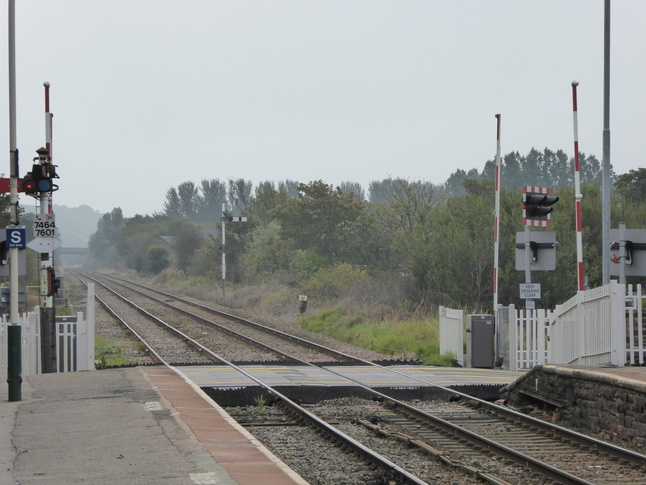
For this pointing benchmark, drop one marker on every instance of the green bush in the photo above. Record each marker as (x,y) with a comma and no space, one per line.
(157,259)
(336,281)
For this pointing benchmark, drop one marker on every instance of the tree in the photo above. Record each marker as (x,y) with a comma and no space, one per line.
(172,205)
(352,188)
(407,219)
(188,240)
(591,170)
(454,184)
(213,193)
(511,176)
(107,235)
(189,200)
(323,218)
(266,200)
(137,235)
(632,185)
(239,195)
(267,253)
(290,187)
(460,264)
(157,259)
(380,190)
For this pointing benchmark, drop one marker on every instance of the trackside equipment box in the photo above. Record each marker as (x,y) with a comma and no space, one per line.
(480,341)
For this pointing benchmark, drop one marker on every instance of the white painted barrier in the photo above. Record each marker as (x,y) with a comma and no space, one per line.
(452,332)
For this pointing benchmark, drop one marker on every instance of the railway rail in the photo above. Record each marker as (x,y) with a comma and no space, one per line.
(470,436)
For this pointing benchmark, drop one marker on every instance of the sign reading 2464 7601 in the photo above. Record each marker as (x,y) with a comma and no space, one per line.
(44,225)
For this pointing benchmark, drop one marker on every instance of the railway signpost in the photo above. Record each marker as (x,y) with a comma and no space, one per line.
(537,207)
(226,218)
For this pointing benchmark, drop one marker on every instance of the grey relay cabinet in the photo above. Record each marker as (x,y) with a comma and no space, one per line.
(480,341)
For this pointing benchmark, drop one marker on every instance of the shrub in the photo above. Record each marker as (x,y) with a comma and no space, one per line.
(157,259)
(335,281)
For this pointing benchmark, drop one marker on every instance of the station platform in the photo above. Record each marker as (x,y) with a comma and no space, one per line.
(127,426)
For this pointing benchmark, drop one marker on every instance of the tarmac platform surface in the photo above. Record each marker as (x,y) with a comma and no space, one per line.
(145,425)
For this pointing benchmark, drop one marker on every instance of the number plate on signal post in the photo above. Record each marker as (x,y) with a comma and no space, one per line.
(44,225)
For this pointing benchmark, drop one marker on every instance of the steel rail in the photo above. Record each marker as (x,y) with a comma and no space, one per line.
(149,349)
(164,325)
(300,341)
(388,468)
(500,449)
(609,448)
(224,329)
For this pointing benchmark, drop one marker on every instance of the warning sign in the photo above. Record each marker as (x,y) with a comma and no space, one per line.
(530,291)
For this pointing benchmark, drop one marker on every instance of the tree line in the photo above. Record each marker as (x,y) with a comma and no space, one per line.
(415,242)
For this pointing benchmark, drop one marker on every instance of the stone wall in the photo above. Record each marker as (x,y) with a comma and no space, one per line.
(608,406)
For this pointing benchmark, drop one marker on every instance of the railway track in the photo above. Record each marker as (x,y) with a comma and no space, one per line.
(229,336)
(473,439)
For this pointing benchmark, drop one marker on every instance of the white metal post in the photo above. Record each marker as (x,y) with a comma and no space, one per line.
(89,322)
(618,324)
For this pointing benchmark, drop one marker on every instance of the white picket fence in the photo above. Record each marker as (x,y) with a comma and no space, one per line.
(74,341)
(527,339)
(600,326)
(74,344)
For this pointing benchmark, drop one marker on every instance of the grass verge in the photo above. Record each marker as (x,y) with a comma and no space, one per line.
(109,353)
(408,338)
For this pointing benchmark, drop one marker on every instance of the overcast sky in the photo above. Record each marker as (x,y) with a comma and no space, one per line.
(147,94)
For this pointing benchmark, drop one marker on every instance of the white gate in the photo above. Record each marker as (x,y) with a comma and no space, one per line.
(528,338)
(599,326)
(452,332)
(74,341)
(635,326)
(590,328)
(74,344)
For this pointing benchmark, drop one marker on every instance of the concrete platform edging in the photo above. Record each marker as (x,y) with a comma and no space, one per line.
(212,426)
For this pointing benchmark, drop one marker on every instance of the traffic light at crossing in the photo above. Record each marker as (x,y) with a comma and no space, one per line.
(537,206)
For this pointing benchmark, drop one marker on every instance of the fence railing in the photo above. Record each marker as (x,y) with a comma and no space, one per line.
(588,329)
(605,325)
(635,326)
(528,338)
(74,344)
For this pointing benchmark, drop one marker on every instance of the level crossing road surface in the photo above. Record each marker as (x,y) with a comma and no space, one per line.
(222,377)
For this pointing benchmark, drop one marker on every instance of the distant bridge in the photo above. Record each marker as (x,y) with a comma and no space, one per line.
(79,251)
